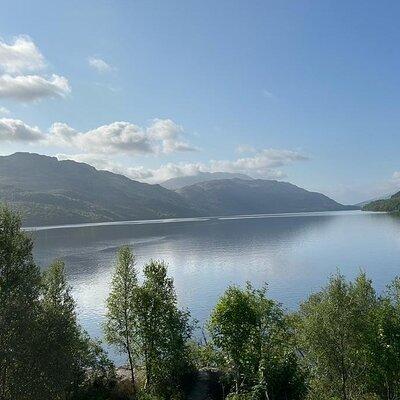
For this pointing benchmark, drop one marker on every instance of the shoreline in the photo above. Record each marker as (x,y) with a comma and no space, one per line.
(200,219)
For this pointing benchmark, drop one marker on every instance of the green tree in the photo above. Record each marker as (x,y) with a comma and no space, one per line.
(43,352)
(254,336)
(121,318)
(335,331)
(100,378)
(277,367)
(232,327)
(384,345)
(19,310)
(163,331)
(63,342)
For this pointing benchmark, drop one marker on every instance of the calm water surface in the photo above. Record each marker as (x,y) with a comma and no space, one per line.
(294,253)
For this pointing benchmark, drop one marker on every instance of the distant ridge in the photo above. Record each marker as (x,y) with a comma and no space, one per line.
(51,192)
(257,196)
(180,182)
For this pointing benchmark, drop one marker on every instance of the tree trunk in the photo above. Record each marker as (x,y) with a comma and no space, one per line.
(131,367)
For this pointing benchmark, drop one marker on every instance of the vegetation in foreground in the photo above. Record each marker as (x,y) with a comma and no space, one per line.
(342,343)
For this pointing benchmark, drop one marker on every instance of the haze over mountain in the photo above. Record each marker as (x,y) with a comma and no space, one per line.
(49,192)
(182,181)
(383,197)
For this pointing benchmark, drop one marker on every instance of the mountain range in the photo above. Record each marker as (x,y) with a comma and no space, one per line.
(49,192)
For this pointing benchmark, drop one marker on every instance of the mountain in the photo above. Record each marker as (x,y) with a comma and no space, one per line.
(178,183)
(48,191)
(51,192)
(238,196)
(392,204)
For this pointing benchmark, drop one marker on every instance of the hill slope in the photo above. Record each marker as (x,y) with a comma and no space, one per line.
(48,191)
(182,181)
(391,204)
(238,196)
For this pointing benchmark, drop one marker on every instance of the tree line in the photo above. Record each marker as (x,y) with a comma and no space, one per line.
(342,343)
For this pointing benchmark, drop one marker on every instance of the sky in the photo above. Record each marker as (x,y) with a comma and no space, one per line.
(300,91)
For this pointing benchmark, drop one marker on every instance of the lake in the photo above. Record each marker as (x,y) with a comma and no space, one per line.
(293,253)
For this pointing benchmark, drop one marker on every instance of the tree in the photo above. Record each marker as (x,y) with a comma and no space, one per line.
(19,309)
(232,326)
(44,354)
(63,341)
(100,378)
(384,345)
(121,318)
(336,326)
(277,366)
(163,331)
(253,335)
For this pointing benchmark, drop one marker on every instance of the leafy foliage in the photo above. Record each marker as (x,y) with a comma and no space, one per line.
(121,320)
(19,310)
(44,354)
(257,345)
(350,338)
(391,205)
(144,322)
(164,331)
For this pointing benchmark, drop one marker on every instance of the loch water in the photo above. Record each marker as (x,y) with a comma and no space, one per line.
(293,253)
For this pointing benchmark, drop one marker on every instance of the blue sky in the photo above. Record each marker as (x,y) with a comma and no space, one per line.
(304,91)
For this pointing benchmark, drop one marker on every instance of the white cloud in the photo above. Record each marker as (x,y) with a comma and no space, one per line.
(264,164)
(17,62)
(169,133)
(161,137)
(118,137)
(21,55)
(4,111)
(261,164)
(32,87)
(265,169)
(99,65)
(14,130)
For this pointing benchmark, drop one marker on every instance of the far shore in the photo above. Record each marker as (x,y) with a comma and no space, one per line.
(200,219)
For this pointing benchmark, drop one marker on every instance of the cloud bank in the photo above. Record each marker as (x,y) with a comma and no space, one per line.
(100,147)
(264,164)
(163,136)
